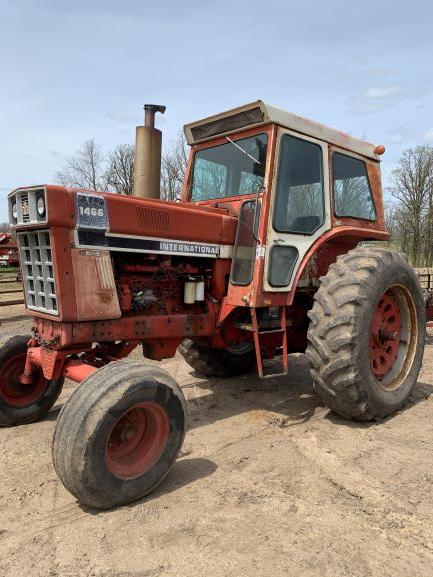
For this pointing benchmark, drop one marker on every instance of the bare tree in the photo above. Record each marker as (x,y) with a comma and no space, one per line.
(84,170)
(119,174)
(396,223)
(4,227)
(114,172)
(173,165)
(412,187)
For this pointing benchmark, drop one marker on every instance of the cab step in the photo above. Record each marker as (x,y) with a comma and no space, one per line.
(257,344)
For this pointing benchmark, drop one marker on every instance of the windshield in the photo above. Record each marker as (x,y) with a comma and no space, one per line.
(231,169)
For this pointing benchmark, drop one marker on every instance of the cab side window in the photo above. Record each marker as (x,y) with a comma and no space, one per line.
(352,193)
(299,204)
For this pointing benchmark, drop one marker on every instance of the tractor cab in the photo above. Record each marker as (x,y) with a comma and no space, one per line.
(303,194)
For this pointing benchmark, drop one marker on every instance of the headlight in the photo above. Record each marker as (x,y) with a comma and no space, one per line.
(40,206)
(14,210)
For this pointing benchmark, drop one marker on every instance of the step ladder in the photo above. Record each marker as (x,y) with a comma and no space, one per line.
(257,345)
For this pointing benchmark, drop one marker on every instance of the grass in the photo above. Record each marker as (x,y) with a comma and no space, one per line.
(9,269)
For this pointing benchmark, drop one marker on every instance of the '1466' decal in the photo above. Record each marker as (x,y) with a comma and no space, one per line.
(91,211)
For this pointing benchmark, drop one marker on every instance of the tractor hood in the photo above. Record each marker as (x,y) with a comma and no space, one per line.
(119,222)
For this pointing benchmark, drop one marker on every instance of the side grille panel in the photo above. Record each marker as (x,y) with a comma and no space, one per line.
(38,271)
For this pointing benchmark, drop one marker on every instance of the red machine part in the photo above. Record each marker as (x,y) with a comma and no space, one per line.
(8,249)
(53,363)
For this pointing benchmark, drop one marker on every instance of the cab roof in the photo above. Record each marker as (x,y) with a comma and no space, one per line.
(259,113)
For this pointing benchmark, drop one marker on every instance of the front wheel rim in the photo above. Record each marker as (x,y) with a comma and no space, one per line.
(137,440)
(12,391)
(393,337)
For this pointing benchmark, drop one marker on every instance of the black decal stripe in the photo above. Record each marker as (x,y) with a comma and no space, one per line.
(99,239)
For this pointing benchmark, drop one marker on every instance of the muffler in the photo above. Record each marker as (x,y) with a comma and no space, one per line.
(147,168)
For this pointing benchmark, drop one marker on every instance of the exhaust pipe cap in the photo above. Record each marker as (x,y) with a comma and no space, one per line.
(149,113)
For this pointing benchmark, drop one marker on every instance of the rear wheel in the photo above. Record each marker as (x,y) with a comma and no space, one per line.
(20,404)
(366,336)
(237,360)
(119,434)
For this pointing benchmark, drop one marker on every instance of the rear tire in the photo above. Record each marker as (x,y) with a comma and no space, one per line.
(366,336)
(218,362)
(119,434)
(21,404)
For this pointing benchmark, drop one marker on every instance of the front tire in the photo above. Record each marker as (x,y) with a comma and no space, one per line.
(119,434)
(366,336)
(21,404)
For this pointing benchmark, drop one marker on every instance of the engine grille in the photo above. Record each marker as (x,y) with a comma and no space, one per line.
(38,271)
(153,219)
(25,208)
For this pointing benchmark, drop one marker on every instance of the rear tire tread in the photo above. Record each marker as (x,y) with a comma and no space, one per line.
(334,334)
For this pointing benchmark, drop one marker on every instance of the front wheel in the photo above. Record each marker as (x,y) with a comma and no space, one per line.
(119,434)
(20,404)
(367,331)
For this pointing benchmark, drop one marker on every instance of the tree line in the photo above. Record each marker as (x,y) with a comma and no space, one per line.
(89,168)
(409,213)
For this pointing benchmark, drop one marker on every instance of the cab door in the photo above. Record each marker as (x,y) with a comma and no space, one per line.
(300,207)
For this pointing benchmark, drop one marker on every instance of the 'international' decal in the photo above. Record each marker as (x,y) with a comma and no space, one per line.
(196,249)
(87,238)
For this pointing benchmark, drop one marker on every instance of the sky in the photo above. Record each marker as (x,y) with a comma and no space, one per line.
(75,70)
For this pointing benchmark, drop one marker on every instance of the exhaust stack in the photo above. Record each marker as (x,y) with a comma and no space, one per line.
(147,170)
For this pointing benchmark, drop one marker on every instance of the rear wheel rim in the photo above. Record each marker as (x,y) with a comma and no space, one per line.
(137,440)
(12,391)
(393,337)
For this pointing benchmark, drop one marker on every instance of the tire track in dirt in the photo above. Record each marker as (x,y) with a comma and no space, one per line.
(365,497)
(37,524)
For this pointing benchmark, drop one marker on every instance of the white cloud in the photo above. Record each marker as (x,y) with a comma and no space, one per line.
(377,93)
(123,118)
(376,98)
(396,138)
(399,134)
(429,134)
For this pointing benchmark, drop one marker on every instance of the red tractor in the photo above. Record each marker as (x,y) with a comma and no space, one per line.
(266,255)
(8,250)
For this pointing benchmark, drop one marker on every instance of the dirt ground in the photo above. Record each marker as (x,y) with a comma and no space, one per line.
(269,483)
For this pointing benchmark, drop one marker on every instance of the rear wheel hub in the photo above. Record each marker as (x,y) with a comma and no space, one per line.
(385,335)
